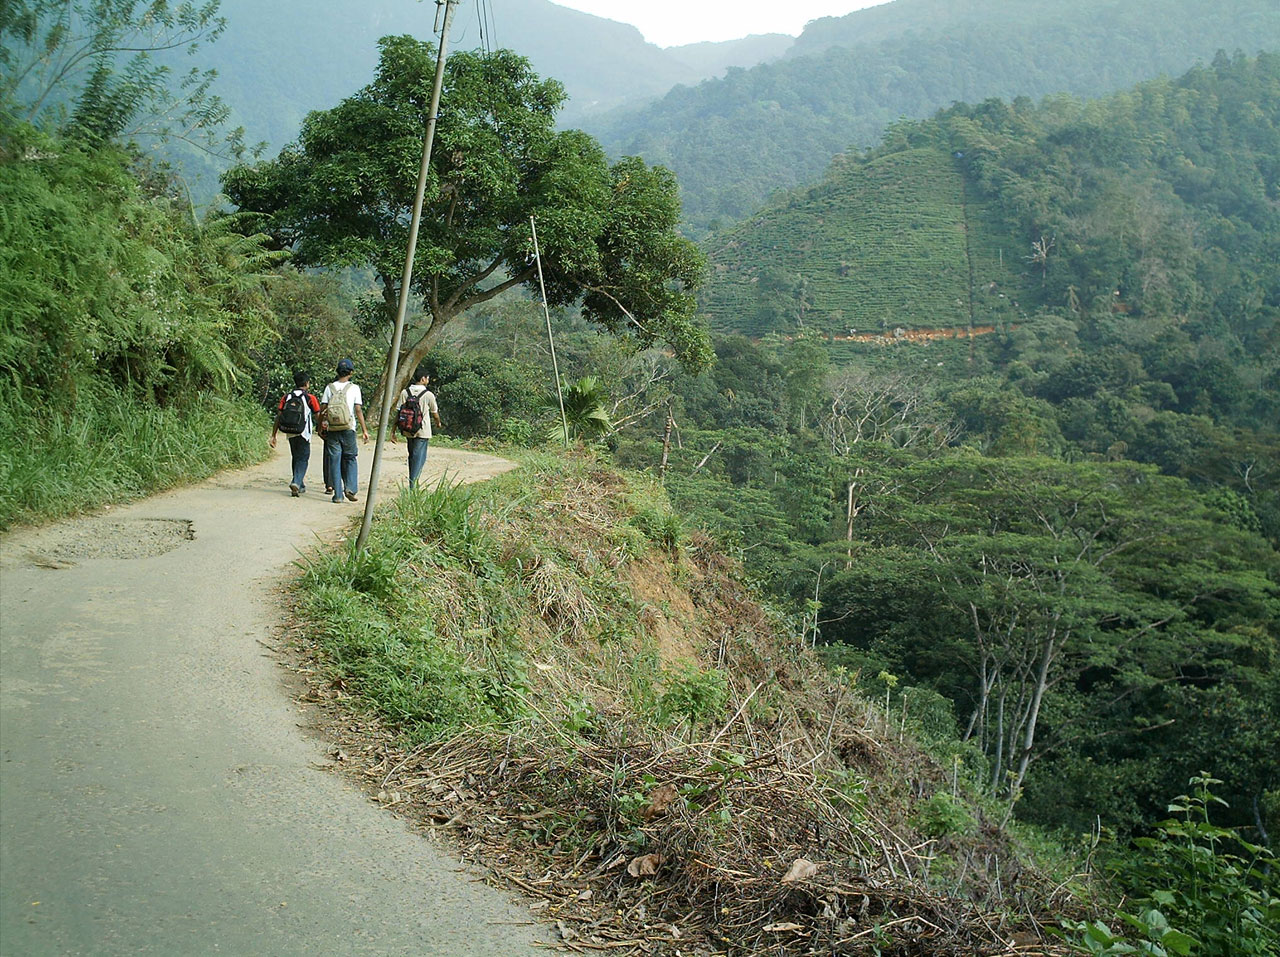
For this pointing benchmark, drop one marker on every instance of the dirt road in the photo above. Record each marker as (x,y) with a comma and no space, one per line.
(159,791)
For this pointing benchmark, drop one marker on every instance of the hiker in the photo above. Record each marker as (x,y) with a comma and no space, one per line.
(418,407)
(341,406)
(293,417)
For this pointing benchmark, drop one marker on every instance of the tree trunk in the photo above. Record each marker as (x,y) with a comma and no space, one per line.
(849,529)
(409,360)
(1029,735)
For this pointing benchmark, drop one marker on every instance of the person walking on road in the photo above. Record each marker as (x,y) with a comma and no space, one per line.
(341,406)
(296,422)
(427,412)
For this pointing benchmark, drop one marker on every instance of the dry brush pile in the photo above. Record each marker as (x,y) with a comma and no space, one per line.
(682,777)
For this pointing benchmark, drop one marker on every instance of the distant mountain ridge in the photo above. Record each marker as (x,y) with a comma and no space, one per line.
(278,61)
(733,141)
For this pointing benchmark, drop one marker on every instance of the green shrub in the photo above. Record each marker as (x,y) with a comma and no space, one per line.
(662,527)
(943,816)
(692,695)
(1197,890)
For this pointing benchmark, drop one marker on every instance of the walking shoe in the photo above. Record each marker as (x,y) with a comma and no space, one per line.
(351,496)
(338,501)
(328,490)
(294,490)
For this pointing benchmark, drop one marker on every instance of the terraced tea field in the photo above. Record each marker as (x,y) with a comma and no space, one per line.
(889,244)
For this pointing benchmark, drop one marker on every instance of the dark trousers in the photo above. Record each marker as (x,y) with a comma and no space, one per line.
(300,454)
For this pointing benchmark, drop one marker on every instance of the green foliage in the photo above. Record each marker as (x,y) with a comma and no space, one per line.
(586,412)
(377,619)
(1199,889)
(664,527)
(94,70)
(119,317)
(341,197)
(943,816)
(99,279)
(482,394)
(692,694)
(313,324)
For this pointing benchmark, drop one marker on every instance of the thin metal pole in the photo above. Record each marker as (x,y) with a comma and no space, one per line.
(393,354)
(555,366)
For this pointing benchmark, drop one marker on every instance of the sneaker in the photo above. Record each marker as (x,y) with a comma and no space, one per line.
(351,496)
(339,501)
(294,490)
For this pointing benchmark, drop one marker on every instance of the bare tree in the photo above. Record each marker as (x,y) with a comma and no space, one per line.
(894,410)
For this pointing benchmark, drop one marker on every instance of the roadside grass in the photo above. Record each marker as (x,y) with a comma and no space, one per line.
(432,625)
(585,692)
(111,449)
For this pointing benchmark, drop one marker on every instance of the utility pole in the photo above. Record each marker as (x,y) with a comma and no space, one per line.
(555,366)
(393,354)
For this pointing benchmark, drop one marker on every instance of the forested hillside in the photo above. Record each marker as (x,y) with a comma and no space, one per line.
(736,140)
(985,519)
(1142,225)
(1152,202)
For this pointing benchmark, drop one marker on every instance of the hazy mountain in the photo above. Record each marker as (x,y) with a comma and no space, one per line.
(734,141)
(277,61)
(711,59)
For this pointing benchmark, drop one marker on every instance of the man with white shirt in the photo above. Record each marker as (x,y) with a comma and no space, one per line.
(341,406)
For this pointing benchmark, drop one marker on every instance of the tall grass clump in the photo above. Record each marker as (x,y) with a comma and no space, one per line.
(110,449)
(416,624)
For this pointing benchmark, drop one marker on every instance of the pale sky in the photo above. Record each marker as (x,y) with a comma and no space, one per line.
(677,22)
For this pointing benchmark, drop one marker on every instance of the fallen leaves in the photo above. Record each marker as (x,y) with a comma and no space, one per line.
(659,801)
(800,870)
(645,865)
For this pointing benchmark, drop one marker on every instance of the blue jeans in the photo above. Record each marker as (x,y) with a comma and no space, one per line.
(300,453)
(340,455)
(417,459)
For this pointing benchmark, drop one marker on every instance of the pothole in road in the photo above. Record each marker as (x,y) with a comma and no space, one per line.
(113,538)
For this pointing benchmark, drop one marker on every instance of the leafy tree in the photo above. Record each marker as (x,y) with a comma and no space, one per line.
(341,197)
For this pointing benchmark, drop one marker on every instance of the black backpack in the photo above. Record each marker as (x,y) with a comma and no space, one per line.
(292,418)
(410,417)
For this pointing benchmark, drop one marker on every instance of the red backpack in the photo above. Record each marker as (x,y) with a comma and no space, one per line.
(410,417)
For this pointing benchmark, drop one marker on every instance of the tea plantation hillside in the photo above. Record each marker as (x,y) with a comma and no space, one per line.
(898,242)
(1147,216)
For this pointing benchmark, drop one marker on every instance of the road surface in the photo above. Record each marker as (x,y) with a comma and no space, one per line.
(159,790)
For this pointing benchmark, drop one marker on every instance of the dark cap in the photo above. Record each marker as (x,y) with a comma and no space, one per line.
(345,367)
